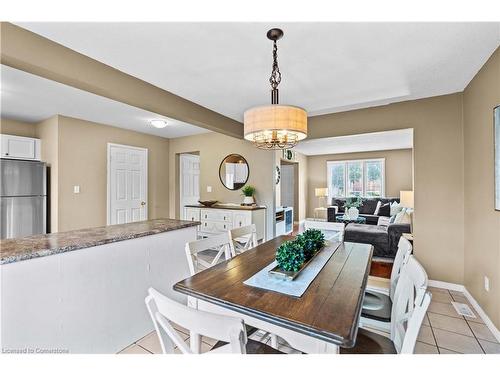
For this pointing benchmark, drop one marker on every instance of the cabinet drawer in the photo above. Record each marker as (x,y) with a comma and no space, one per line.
(242,219)
(215,226)
(217,215)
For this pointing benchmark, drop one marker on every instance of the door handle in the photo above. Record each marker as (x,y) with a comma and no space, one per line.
(143,203)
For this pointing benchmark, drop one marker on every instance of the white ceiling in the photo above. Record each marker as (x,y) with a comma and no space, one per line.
(326,67)
(388,140)
(30,98)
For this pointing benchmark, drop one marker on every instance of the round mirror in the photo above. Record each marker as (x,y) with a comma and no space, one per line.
(233,172)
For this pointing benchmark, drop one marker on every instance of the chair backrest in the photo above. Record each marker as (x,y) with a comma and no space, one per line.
(163,311)
(414,324)
(242,239)
(219,243)
(410,296)
(402,256)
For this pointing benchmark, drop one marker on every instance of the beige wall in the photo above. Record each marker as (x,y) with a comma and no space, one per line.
(398,172)
(438,172)
(13,127)
(212,148)
(48,132)
(482,222)
(83,162)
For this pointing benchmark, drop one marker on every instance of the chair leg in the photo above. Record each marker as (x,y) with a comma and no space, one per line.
(195,342)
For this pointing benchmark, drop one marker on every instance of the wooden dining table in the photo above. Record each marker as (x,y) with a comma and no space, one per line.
(323,319)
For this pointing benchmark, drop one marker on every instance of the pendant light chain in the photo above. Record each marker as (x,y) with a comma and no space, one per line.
(275,78)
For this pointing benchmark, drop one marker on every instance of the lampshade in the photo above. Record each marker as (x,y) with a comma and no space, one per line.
(406,198)
(275,126)
(321,192)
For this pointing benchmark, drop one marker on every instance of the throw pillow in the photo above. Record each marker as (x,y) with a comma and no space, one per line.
(403,217)
(385,210)
(395,208)
(391,219)
(377,209)
(383,221)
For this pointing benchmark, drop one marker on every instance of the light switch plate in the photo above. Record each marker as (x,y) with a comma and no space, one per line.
(76,189)
(209,189)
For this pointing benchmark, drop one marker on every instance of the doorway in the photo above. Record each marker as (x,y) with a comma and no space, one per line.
(127,184)
(189,180)
(289,187)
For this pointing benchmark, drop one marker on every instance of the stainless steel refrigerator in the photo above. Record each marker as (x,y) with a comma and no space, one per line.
(23,198)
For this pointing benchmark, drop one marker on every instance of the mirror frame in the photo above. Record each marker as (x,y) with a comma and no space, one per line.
(220,167)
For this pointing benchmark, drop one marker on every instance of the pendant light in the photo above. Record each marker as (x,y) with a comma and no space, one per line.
(275,126)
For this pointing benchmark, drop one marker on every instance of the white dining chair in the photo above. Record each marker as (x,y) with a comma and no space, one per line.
(229,331)
(410,304)
(377,303)
(242,239)
(196,252)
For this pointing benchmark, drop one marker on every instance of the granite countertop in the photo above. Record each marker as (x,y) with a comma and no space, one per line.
(228,207)
(18,249)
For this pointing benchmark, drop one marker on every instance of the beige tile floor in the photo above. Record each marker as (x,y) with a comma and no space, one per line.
(443,332)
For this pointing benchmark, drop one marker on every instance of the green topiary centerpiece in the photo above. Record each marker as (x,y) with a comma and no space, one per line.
(291,255)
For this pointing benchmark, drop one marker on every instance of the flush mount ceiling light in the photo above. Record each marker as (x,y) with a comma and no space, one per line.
(275,126)
(158,123)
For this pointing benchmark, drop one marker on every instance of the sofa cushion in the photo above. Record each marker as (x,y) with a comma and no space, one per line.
(369,206)
(385,210)
(370,219)
(370,234)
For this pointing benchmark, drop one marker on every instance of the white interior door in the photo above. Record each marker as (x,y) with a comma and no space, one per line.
(189,180)
(127,184)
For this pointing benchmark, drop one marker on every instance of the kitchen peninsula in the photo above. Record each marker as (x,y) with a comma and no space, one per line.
(83,291)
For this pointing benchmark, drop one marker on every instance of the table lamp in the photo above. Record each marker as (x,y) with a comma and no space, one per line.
(406,200)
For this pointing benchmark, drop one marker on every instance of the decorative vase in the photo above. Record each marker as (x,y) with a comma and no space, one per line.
(352,213)
(248,200)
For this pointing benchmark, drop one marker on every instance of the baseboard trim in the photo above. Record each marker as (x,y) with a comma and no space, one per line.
(473,302)
(445,285)
(482,314)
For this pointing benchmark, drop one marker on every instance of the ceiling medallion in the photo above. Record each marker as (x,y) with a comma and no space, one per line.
(275,126)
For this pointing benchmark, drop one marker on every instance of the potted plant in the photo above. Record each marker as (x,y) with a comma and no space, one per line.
(248,192)
(292,255)
(351,206)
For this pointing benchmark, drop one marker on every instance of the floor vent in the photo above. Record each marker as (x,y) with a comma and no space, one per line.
(463,309)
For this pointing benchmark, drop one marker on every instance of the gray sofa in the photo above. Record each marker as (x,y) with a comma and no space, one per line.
(384,238)
(366,210)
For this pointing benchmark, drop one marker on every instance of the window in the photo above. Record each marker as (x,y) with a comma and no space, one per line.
(358,178)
